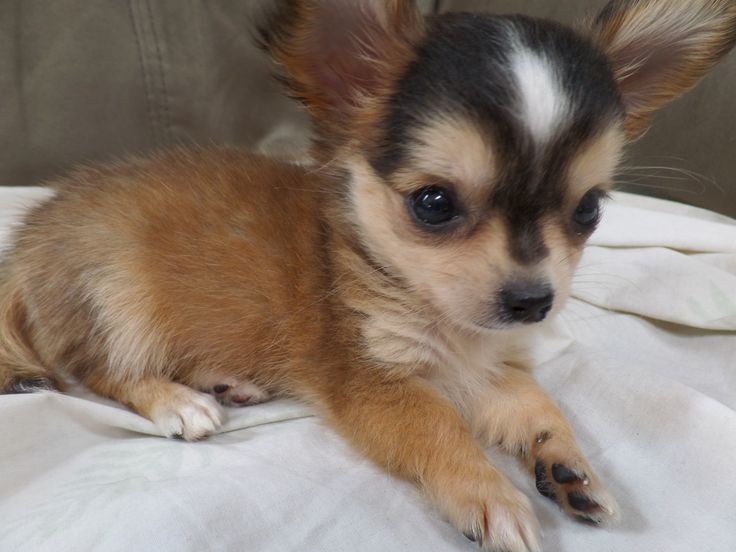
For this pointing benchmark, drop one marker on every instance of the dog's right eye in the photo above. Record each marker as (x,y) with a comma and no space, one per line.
(433,206)
(588,212)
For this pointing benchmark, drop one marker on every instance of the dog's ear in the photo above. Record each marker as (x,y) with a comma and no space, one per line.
(660,49)
(337,53)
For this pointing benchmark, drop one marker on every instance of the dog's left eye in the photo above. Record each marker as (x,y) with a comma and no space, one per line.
(588,212)
(433,206)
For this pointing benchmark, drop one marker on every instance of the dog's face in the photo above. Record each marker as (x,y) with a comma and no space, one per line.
(477,149)
(488,176)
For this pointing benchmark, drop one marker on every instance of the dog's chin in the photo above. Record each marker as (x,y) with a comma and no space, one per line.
(495,326)
(499,323)
(490,325)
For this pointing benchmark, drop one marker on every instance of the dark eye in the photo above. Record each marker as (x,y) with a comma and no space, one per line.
(588,212)
(433,206)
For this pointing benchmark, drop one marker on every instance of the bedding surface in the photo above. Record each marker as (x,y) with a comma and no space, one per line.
(643,361)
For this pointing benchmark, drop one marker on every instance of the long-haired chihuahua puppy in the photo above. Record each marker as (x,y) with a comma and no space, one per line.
(460,165)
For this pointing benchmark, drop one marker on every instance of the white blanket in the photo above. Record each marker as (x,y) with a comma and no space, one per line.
(643,361)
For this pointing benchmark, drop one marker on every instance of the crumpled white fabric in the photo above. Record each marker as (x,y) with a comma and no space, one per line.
(677,266)
(643,361)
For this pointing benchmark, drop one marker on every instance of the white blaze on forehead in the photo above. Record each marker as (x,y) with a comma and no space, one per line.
(543,102)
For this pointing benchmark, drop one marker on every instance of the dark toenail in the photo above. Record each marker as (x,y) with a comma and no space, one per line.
(543,485)
(581,502)
(547,492)
(540,471)
(588,520)
(563,474)
(220,388)
(32,385)
(475,535)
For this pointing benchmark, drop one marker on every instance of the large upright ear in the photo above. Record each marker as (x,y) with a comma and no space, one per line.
(660,49)
(335,53)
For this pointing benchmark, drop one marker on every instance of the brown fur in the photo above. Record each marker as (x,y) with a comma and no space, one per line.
(342,72)
(660,49)
(149,279)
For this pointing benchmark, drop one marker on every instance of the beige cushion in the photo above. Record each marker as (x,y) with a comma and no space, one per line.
(85,81)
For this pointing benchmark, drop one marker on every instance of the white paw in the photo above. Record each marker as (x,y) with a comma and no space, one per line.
(231,393)
(512,526)
(187,414)
(493,513)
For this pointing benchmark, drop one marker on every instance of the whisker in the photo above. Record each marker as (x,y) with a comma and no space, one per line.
(635,184)
(688,173)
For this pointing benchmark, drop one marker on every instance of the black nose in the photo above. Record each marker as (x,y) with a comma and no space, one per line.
(527,304)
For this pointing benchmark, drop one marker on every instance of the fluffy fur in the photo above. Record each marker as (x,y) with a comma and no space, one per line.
(195,276)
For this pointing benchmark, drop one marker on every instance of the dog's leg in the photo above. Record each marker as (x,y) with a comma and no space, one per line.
(409,428)
(21,369)
(518,415)
(177,410)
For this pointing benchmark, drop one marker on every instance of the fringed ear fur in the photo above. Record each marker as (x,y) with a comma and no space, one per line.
(336,55)
(660,49)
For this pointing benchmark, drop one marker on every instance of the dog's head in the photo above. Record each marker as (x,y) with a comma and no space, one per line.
(476,148)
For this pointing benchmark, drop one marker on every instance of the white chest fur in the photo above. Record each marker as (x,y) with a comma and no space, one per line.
(459,363)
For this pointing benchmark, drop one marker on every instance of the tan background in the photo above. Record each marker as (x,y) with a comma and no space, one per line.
(87,80)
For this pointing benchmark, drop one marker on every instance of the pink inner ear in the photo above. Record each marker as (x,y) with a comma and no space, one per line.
(345,49)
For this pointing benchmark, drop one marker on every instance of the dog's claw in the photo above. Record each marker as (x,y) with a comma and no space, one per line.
(575,490)
(543,486)
(32,385)
(579,501)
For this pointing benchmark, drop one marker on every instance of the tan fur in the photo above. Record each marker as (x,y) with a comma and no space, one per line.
(19,360)
(597,162)
(153,280)
(453,150)
(515,413)
(342,72)
(455,275)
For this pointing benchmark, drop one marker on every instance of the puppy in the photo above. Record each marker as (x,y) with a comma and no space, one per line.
(460,166)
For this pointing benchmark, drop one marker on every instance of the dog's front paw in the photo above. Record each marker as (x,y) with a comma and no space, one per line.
(492,513)
(564,476)
(186,413)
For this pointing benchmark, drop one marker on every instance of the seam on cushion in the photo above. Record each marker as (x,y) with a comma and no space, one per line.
(18,77)
(150,103)
(158,50)
(149,55)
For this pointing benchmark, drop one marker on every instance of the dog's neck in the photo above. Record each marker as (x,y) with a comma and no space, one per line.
(400,329)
